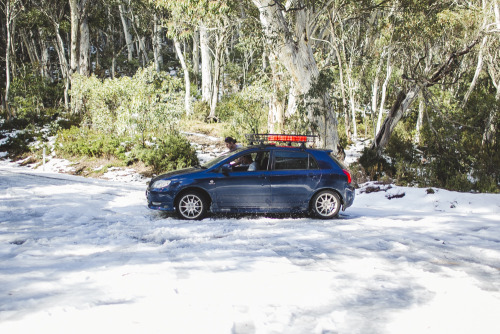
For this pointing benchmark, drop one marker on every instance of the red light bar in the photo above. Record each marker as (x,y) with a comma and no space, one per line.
(270,138)
(289,138)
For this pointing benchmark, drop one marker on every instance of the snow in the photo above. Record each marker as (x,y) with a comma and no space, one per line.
(82,255)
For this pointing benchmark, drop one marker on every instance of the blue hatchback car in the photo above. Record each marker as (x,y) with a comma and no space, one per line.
(263,178)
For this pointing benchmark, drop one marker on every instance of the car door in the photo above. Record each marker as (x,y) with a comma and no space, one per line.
(294,178)
(239,188)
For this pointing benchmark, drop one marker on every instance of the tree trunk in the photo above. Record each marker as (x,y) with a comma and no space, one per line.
(490,131)
(384,90)
(352,102)
(420,120)
(10,16)
(375,87)
(141,50)
(64,64)
(126,32)
(30,47)
(196,54)
(347,120)
(75,29)
(157,38)
(206,64)
(216,83)
(111,43)
(399,108)
(45,58)
(295,53)
(84,67)
(491,125)
(479,65)
(187,82)
(275,119)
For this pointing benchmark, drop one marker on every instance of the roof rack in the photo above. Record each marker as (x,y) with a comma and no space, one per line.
(263,138)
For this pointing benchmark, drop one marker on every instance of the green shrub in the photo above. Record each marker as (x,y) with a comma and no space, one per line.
(170,153)
(201,110)
(375,165)
(34,99)
(82,142)
(246,112)
(146,105)
(459,182)
(18,144)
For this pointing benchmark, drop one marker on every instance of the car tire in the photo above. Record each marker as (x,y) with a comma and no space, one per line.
(192,205)
(326,204)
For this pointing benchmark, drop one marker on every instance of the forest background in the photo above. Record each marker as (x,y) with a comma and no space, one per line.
(417,81)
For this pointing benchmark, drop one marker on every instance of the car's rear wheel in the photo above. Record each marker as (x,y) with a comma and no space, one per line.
(192,205)
(326,204)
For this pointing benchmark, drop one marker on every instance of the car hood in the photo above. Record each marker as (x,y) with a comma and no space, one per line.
(171,174)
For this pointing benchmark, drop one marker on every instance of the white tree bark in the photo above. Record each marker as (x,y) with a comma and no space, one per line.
(187,82)
(275,119)
(65,70)
(493,69)
(375,86)
(479,66)
(397,111)
(126,32)
(157,38)
(295,53)
(9,16)
(384,90)
(206,65)
(75,29)
(420,120)
(196,53)
(347,121)
(45,58)
(352,101)
(84,45)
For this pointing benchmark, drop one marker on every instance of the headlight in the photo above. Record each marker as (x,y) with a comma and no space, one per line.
(161,184)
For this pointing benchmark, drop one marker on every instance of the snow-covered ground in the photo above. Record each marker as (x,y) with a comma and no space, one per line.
(83,255)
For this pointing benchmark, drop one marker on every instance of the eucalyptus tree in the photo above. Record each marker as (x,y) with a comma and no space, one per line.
(213,20)
(360,40)
(287,27)
(432,39)
(11,9)
(491,13)
(80,36)
(126,29)
(55,12)
(178,30)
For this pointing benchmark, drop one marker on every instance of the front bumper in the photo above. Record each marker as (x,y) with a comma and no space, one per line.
(160,201)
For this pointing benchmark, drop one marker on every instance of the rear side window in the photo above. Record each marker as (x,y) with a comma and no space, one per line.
(285,160)
(337,161)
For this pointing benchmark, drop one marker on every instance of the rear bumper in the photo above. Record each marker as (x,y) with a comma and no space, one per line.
(349,197)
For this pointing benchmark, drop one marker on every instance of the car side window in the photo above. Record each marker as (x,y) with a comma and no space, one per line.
(286,160)
(250,162)
(313,164)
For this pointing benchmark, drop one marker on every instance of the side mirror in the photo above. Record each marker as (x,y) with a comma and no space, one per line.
(226,169)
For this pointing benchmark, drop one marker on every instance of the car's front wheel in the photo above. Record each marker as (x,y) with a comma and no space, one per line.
(326,204)
(192,205)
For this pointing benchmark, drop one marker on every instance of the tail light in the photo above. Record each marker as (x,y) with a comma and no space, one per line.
(346,172)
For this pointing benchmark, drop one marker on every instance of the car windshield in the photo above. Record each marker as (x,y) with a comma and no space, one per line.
(225,155)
